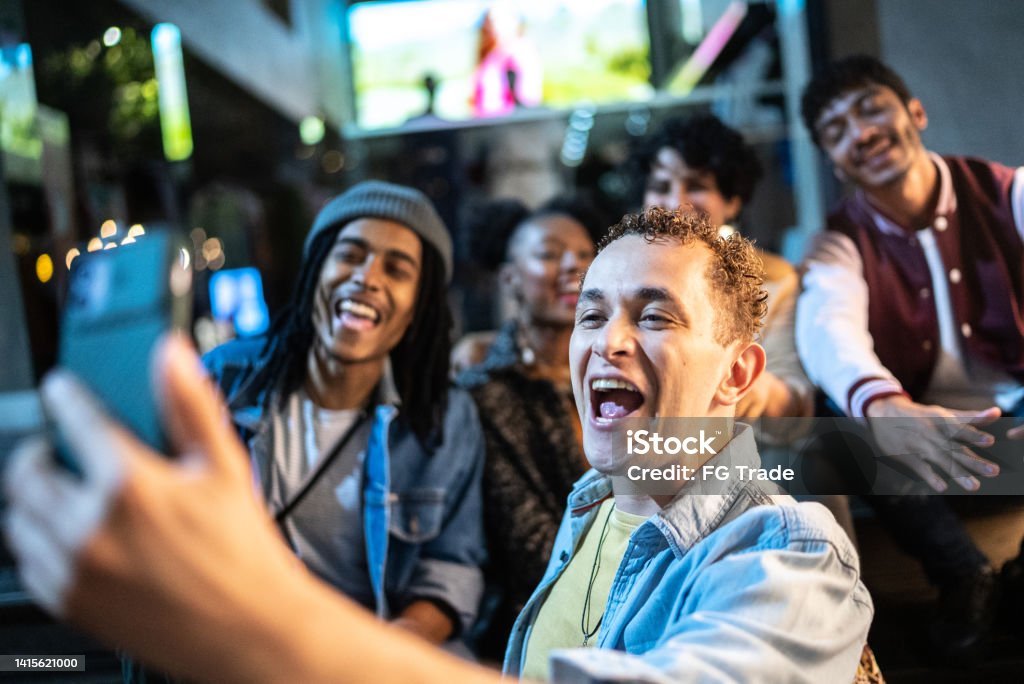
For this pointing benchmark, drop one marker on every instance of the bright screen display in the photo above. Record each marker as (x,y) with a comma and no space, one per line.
(486,58)
(236,295)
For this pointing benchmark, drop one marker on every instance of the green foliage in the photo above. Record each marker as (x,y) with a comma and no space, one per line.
(112,88)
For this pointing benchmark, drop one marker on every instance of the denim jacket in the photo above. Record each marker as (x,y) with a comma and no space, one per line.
(734,586)
(422,511)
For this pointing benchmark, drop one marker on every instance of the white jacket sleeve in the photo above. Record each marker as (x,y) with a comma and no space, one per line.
(832,334)
(1017,200)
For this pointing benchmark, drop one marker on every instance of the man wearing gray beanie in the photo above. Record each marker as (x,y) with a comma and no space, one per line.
(368,459)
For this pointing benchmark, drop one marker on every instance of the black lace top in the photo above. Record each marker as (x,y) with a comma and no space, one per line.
(533,459)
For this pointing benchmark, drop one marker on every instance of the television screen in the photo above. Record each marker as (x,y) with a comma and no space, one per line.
(458,60)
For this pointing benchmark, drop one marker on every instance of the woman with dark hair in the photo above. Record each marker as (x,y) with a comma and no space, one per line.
(490,229)
(523,391)
(368,459)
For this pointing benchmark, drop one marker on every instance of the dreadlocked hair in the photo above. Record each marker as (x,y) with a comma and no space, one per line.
(291,332)
(419,362)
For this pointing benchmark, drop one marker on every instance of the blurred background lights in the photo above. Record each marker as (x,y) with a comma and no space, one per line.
(236,295)
(168,61)
(333,161)
(311,130)
(44,268)
(211,255)
(211,248)
(110,245)
(21,244)
(108,229)
(112,36)
(94,245)
(72,255)
(134,232)
(23,55)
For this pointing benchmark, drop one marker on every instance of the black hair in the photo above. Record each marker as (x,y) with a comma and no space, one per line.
(488,226)
(706,144)
(580,208)
(419,362)
(842,75)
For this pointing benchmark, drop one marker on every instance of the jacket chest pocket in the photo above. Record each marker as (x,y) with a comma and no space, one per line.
(416,515)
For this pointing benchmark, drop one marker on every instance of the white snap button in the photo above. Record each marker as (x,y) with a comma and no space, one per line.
(955,276)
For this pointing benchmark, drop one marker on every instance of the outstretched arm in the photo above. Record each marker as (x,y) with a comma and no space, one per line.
(177,562)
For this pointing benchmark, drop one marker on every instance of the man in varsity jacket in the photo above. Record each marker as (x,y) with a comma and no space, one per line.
(912,310)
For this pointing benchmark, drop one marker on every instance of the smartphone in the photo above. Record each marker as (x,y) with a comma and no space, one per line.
(120,303)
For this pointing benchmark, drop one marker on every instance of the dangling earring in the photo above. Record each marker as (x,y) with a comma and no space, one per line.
(526,354)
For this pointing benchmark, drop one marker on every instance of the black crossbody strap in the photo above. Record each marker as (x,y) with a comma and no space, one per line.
(314,477)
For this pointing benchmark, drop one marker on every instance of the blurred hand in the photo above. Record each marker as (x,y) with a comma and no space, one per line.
(934,442)
(164,558)
(178,563)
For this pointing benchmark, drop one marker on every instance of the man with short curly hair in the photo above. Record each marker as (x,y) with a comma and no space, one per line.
(735,273)
(682,580)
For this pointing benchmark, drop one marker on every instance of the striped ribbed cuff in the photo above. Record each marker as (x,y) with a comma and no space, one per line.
(869,389)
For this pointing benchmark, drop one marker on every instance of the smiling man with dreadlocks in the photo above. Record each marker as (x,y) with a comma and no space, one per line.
(369,461)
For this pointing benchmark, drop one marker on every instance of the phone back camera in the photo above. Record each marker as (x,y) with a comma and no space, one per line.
(90,285)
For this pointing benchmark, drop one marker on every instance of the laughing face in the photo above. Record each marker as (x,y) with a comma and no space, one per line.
(367,290)
(871,136)
(644,343)
(547,257)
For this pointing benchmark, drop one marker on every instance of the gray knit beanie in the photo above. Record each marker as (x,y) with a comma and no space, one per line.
(398,203)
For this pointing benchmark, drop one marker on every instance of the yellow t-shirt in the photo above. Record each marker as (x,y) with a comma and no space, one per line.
(565,611)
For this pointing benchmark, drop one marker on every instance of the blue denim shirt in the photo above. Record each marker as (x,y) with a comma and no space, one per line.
(422,511)
(734,586)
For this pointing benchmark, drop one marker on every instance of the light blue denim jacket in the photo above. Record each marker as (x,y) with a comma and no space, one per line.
(736,586)
(422,511)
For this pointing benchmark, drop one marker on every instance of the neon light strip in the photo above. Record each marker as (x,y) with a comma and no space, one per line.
(709,49)
(175,125)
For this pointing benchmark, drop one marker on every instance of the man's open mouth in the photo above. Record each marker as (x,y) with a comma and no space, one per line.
(613,399)
(356,315)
